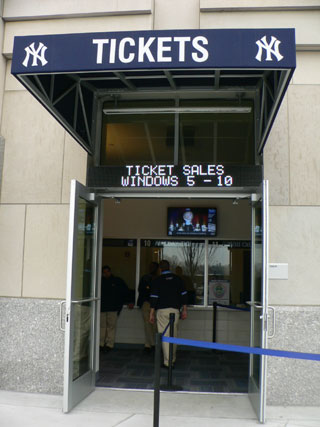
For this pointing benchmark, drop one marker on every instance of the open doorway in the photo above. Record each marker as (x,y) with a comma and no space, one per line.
(214,268)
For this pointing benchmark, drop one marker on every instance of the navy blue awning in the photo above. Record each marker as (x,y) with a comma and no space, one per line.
(70,73)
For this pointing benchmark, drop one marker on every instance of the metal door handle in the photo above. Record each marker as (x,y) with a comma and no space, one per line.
(61,304)
(273,321)
(80,301)
(255,304)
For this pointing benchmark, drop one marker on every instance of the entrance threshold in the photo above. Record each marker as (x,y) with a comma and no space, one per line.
(202,393)
(196,370)
(176,408)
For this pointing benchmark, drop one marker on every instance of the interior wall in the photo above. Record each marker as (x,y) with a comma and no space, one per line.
(233,326)
(123,263)
(147,218)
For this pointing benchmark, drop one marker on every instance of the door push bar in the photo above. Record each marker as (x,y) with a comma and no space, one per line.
(258,306)
(66,316)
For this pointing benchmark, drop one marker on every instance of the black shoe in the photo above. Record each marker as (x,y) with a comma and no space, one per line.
(147,349)
(106,349)
(167,367)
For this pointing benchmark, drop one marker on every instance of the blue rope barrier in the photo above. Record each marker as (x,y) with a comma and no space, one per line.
(243,349)
(232,307)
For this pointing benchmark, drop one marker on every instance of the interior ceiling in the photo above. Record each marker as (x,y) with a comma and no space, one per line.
(73,99)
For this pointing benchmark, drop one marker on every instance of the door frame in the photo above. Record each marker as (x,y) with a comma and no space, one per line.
(109,194)
(77,389)
(258,389)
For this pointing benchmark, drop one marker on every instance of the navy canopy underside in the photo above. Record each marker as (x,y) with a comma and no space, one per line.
(73,98)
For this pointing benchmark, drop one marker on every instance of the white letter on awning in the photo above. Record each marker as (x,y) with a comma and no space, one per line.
(100,43)
(201,49)
(144,49)
(182,46)
(122,44)
(162,49)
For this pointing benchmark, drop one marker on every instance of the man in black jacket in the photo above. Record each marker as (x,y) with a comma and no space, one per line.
(168,295)
(114,294)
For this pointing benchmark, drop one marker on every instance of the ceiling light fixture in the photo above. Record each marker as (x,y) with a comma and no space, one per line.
(181,110)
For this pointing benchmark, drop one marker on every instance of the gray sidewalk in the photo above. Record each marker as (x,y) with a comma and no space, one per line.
(111,408)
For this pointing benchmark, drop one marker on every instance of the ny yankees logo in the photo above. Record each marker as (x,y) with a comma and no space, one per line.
(37,54)
(271,48)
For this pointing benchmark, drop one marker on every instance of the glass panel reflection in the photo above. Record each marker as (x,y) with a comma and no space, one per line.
(85,239)
(82,336)
(138,139)
(258,261)
(257,257)
(224,138)
(148,136)
(219,273)
(216,137)
(83,289)
(229,268)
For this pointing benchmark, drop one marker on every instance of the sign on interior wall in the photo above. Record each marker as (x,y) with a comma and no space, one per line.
(175,176)
(219,291)
(221,48)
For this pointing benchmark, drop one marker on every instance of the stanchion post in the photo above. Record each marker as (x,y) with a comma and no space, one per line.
(171,320)
(156,393)
(214,329)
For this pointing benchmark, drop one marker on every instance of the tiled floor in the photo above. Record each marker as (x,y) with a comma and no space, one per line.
(195,370)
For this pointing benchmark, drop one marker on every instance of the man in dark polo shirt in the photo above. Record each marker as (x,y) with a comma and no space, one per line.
(168,295)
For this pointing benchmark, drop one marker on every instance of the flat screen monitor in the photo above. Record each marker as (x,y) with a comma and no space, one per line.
(192,222)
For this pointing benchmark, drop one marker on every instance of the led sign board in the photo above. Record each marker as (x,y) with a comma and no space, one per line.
(239,244)
(173,176)
(138,50)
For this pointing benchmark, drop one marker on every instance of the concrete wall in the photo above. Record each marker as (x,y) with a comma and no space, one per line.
(40,158)
(292,166)
(293,381)
(31,345)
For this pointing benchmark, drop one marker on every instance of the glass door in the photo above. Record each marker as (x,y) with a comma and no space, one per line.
(259,303)
(81,300)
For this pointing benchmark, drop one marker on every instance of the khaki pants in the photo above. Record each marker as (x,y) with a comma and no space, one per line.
(149,328)
(108,326)
(163,317)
